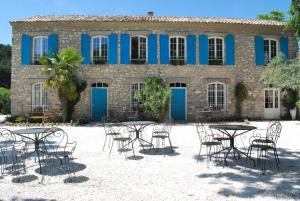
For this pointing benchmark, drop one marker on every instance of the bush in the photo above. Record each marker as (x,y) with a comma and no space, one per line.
(241,94)
(4,101)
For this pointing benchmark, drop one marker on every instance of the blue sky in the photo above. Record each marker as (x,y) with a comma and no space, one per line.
(16,9)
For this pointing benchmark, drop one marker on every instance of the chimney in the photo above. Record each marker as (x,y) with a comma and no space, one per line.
(150,13)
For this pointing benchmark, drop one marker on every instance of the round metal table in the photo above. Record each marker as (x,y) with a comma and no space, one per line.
(232,131)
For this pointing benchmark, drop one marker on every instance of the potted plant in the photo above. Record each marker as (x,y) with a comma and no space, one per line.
(241,94)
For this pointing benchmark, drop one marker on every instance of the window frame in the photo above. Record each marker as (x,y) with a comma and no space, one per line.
(43,95)
(92,49)
(269,54)
(131,94)
(215,51)
(185,48)
(41,50)
(139,36)
(216,97)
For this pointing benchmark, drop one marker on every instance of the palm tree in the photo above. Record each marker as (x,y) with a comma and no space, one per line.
(61,70)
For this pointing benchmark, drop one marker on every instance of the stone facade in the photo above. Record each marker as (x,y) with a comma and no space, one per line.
(120,77)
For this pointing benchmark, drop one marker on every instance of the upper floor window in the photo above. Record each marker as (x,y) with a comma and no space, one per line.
(136,88)
(39,101)
(177,50)
(270,50)
(216,93)
(40,48)
(99,50)
(215,51)
(138,50)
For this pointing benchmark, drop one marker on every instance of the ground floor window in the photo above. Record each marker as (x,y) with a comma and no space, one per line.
(216,96)
(136,88)
(39,98)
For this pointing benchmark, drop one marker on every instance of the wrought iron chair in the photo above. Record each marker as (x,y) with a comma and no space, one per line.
(161,133)
(110,132)
(208,139)
(11,152)
(265,140)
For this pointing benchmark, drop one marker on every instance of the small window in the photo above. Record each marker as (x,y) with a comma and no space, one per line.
(177,84)
(40,48)
(138,50)
(216,96)
(270,50)
(177,50)
(99,84)
(39,102)
(136,88)
(99,50)
(215,51)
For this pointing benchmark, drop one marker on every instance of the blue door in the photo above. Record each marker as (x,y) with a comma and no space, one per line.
(99,103)
(178,104)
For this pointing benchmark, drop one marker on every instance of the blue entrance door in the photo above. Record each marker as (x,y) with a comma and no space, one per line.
(99,103)
(178,104)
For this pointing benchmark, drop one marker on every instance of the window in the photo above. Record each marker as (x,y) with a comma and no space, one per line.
(40,48)
(177,50)
(39,98)
(138,50)
(136,88)
(270,50)
(99,84)
(215,51)
(99,50)
(177,84)
(216,96)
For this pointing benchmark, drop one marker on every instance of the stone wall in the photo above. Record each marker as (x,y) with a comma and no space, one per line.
(120,77)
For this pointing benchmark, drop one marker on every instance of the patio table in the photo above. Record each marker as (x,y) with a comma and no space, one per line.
(37,136)
(137,127)
(232,131)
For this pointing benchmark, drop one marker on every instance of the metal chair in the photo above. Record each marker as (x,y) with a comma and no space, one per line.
(208,139)
(265,140)
(110,132)
(161,133)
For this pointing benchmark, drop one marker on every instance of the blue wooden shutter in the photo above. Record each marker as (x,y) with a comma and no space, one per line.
(85,48)
(259,51)
(284,47)
(229,41)
(125,49)
(203,48)
(164,49)
(26,49)
(52,44)
(191,49)
(152,49)
(113,49)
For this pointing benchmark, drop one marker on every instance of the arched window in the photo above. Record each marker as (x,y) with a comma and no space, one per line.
(99,49)
(178,84)
(216,94)
(270,50)
(138,50)
(215,51)
(136,88)
(99,84)
(40,48)
(39,100)
(177,50)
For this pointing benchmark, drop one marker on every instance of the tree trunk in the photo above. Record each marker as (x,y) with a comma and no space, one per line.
(64,103)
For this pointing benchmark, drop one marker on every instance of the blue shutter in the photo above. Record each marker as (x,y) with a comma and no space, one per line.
(229,41)
(259,51)
(152,49)
(191,49)
(164,49)
(125,44)
(203,48)
(26,49)
(113,49)
(52,44)
(284,47)
(85,48)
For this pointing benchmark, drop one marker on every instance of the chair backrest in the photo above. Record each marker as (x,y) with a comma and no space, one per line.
(7,138)
(274,131)
(112,128)
(203,133)
(55,139)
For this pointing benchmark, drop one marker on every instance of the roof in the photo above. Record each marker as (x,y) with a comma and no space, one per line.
(171,19)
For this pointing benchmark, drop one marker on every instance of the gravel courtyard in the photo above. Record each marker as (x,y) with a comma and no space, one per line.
(153,176)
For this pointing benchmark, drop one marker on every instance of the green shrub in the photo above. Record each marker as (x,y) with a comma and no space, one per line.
(241,94)
(20,119)
(4,101)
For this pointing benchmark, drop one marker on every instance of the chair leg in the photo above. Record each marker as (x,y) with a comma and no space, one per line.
(276,160)
(170,144)
(199,153)
(111,148)
(104,142)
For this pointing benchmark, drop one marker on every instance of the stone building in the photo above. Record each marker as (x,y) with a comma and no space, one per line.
(202,59)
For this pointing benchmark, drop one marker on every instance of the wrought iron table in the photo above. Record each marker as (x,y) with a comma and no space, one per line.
(232,131)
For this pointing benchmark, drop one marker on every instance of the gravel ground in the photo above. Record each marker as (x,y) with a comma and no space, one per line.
(153,176)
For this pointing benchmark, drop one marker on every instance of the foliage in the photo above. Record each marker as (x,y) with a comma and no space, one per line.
(62,72)
(298,104)
(5,65)
(289,98)
(4,101)
(241,94)
(20,119)
(154,99)
(273,15)
(294,17)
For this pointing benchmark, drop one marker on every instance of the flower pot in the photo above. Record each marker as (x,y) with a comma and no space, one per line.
(293,113)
